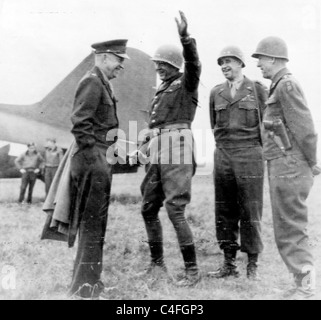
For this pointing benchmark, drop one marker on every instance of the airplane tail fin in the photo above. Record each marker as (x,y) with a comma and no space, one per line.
(55,108)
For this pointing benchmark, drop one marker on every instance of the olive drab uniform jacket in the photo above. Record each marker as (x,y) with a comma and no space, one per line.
(235,121)
(287,102)
(94,112)
(238,165)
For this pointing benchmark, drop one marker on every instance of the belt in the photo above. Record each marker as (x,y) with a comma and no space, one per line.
(170,127)
(238,144)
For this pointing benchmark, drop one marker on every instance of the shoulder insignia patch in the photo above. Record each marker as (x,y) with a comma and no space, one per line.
(289,86)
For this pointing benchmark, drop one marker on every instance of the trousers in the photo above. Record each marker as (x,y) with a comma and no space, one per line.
(238,181)
(290,180)
(91,178)
(29,178)
(49,175)
(168,179)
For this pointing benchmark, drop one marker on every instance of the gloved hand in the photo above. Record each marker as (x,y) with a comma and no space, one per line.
(23,171)
(36,171)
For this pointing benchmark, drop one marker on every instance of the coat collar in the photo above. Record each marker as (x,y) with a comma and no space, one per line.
(100,75)
(245,88)
(165,84)
(225,92)
(106,82)
(278,77)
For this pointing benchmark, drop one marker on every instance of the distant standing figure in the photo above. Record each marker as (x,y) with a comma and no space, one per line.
(29,164)
(53,156)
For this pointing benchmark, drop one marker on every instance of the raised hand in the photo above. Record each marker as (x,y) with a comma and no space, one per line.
(182,25)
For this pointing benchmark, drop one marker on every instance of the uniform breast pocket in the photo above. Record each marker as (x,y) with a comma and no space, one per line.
(171,95)
(222,116)
(248,113)
(173,88)
(106,111)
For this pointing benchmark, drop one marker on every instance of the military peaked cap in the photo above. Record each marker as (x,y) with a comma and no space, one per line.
(117,47)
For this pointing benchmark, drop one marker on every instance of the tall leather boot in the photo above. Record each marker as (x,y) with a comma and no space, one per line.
(157,265)
(251,269)
(192,275)
(157,254)
(229,267)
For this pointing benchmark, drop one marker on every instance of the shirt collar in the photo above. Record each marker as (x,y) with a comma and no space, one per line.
(237,82)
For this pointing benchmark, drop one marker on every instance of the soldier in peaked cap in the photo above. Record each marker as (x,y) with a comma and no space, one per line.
(236,107)
(116,47)
(93,117)
(289,145)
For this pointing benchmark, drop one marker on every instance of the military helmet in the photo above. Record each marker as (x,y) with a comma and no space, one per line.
(170,54)
(231,51)
(272,47)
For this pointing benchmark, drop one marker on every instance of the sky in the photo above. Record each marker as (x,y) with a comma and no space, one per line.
(41,41)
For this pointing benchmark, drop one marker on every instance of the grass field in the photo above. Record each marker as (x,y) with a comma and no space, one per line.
(43,268)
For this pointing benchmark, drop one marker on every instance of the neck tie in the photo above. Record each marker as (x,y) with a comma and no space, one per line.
(233,89)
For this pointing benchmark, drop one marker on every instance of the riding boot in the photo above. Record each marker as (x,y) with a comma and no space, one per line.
(192,275)
(157,254)
(229,267)
(157,265)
